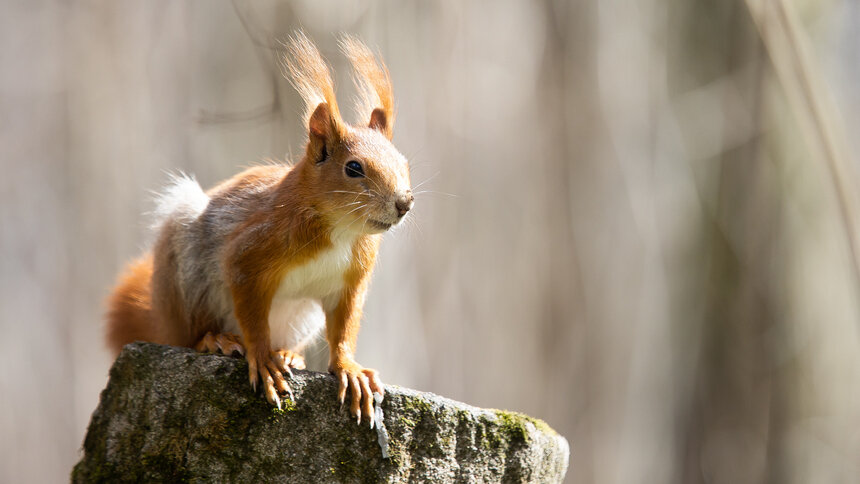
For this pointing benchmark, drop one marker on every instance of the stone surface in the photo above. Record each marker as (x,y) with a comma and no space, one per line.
(170,414)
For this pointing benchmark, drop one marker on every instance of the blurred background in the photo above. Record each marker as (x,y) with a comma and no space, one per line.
(638,223)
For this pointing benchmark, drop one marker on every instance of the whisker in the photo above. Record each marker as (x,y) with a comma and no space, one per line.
(413,223)
(348,205)
(319,351)
(350,224)
(434,192)
(364,225)
(348,192)
(425,181)
(338,221)
(375,184)
(356,208)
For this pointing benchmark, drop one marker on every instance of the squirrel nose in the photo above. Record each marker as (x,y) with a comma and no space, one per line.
(404,203)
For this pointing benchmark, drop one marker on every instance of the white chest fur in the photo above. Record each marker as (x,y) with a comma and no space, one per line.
(320,276)
(296,314)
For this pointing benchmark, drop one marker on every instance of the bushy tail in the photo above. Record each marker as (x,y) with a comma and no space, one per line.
(129,316)
(182,199)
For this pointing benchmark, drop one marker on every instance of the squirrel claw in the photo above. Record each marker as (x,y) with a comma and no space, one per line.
(361,383)
(272,370)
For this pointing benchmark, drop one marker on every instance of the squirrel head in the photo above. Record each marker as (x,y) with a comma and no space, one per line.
(359,181)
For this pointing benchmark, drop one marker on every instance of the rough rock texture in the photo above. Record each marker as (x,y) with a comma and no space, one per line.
(170,414)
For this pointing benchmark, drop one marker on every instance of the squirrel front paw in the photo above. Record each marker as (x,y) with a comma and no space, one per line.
(362,384)
(270,368)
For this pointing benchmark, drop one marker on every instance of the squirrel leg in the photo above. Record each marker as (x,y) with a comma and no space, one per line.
(362,383)
(224,343)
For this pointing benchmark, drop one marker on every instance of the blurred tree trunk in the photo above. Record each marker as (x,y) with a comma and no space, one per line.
(736,415)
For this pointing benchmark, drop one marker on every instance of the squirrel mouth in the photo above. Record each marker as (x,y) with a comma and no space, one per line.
(379,225)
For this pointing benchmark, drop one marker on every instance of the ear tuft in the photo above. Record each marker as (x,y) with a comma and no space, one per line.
(309,74)
(374,85)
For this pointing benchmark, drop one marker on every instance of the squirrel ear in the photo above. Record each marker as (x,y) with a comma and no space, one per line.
(321,124)
(379,122)
(323,130)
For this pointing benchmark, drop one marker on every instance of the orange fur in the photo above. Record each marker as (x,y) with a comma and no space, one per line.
(346,316)
(281,219)
(130,307)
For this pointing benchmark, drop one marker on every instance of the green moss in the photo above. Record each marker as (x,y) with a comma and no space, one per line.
(395,455)
(504,428)
(416,405)
(490,439)
(514,426)
(518,420)
(448,442)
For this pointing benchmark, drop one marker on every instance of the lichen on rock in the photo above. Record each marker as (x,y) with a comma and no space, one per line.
(173,415)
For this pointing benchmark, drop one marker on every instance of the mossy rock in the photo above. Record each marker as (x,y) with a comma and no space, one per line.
(173,415)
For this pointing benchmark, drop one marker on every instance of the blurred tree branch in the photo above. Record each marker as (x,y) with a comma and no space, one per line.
(788,50)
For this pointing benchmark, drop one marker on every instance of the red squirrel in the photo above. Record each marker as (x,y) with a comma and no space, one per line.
(261,262)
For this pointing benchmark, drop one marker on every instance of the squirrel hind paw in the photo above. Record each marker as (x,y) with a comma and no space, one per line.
(290,359)
(224,343)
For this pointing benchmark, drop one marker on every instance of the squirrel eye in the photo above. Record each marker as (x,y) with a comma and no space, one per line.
(354,170)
